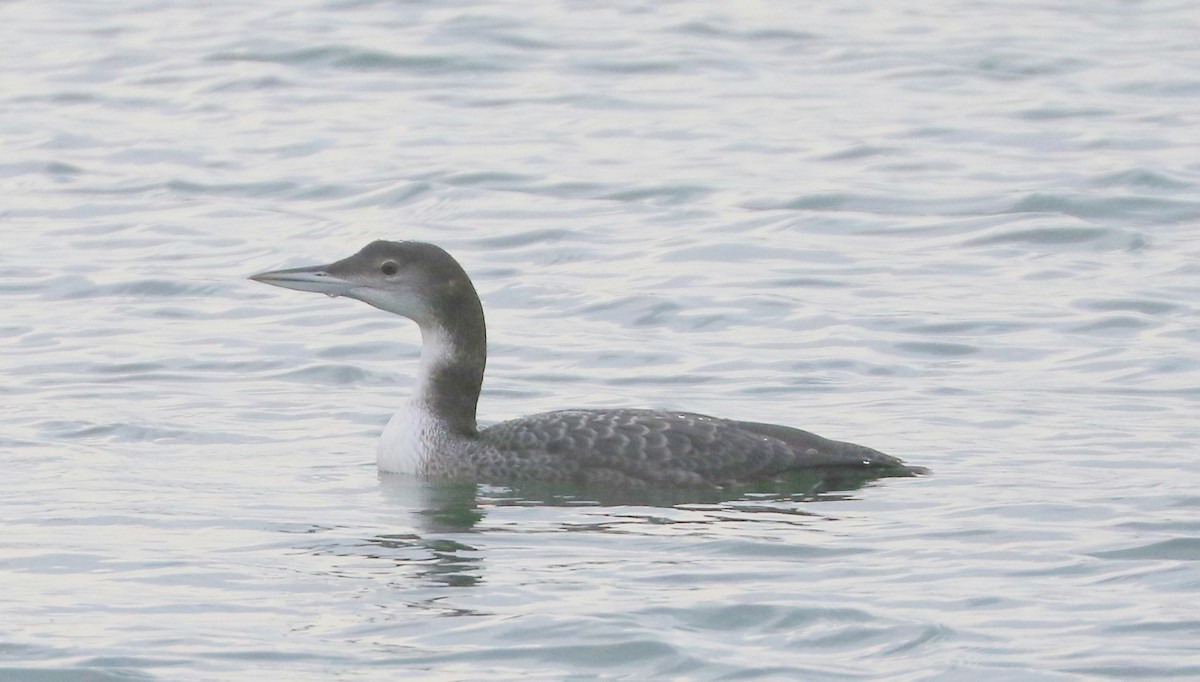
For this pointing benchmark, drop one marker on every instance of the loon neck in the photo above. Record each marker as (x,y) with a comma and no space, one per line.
(450,375)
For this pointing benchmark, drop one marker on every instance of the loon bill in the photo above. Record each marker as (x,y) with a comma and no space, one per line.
(434,433)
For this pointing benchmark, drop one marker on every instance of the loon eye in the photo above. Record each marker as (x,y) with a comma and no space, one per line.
(389,267)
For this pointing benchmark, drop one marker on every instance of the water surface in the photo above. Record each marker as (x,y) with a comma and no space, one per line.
(964,234)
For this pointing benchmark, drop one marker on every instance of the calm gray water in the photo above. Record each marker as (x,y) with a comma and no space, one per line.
(964,233)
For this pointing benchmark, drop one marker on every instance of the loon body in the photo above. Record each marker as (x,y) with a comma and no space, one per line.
(435,434)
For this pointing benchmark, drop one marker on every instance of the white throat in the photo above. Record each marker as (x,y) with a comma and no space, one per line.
(414,434)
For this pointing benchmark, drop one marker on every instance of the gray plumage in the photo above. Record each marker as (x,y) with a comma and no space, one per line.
(652,447)
(435,433)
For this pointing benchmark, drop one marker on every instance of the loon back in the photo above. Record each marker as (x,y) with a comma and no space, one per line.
(654,447)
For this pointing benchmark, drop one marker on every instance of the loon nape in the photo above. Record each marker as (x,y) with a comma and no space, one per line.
(434,433)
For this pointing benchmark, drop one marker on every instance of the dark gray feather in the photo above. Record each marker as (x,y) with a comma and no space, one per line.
(654,447)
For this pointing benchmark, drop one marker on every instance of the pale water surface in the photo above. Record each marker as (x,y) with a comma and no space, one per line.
(965,233)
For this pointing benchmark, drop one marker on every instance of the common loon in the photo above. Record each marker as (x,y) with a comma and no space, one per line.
(434,433)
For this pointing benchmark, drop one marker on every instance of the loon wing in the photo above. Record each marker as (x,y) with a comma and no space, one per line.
(648,446)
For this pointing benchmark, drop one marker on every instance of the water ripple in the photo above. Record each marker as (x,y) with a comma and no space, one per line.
(946,232)
(359,59)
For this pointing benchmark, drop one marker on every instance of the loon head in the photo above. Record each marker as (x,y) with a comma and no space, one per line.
(417,280)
